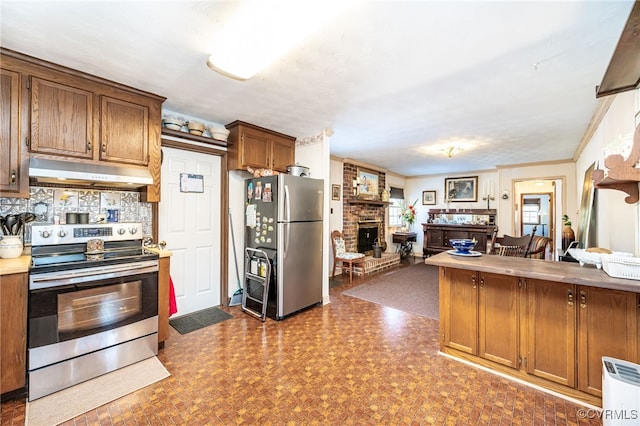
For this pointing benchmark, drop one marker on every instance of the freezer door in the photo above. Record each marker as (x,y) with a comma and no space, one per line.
(262,194)
(299,268)
(299,198)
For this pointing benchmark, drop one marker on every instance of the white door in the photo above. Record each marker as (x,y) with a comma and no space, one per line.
(190,224)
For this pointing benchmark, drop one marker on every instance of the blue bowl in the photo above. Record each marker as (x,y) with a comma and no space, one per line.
(463,245)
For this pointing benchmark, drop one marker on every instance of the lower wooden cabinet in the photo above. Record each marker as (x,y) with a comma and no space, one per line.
(459,309)
(546,332)
(551,331)
(498,318)
(13,332)
(607,325)
(163,299)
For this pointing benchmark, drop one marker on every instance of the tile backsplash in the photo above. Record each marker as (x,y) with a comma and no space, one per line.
(51,204)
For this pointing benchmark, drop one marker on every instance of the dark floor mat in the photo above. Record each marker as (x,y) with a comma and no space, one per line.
(200,319)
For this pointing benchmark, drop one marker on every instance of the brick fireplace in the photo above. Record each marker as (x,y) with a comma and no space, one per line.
(355,211)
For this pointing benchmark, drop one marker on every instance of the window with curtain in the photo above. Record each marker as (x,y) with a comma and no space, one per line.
(396,203)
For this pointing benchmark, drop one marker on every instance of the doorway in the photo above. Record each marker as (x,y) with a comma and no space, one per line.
(191,225)
(537,206)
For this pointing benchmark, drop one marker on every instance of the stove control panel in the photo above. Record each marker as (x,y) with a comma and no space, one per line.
(49,234)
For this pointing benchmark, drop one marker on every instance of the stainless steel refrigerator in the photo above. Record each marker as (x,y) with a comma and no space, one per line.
(283,217)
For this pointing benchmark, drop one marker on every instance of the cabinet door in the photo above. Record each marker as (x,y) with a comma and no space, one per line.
(124,132)
(498,318)
(254,149)
(10,131)
(607,326)
(551,331)
(459,308)
(435,238)
(13,332)
(62,121)
(282,154)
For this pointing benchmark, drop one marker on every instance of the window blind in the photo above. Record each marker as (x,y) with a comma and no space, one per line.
(397,193)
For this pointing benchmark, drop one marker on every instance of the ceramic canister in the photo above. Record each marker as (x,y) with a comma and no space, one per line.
(10,246)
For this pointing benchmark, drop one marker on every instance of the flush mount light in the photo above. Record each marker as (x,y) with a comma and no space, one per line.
(260,32)
(450,151)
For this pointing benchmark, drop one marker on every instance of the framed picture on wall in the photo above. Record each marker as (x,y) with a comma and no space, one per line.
(367,184)
(428,198)
(335,192)
(461,189)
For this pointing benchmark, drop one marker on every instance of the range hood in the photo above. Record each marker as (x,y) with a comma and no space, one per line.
(68,172)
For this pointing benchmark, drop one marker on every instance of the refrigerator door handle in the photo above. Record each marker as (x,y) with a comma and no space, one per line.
(287,204)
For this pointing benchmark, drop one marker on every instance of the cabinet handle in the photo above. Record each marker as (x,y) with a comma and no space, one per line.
(104,147)
(14,177)
(481,282)
(473,281)
(583,299)
(570,298)
(88,145)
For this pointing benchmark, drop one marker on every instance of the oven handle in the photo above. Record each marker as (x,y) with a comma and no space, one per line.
(57,279)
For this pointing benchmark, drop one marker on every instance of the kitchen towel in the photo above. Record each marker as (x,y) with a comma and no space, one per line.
(173,306)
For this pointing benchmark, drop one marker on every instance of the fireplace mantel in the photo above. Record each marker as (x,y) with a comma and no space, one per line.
(371,202)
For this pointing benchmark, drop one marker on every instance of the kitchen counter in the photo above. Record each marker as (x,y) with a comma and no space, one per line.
(15,266)
(565,272)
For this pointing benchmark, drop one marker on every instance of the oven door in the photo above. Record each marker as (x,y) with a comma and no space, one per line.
(69,305)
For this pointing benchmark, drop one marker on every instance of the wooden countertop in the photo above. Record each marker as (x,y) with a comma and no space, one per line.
(15,266)
(565,272)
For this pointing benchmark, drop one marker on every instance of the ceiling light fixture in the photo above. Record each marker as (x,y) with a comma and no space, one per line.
(260,32)
(451,150)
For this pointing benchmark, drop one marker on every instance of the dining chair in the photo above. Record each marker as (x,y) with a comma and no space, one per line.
(340,254)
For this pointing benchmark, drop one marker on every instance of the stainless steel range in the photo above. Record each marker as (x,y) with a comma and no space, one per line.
(93,303)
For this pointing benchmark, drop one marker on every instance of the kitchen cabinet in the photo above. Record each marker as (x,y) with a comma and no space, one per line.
(124,131)
(459,309)
(498,318)
(551,332)
(14,178)
(259,148)
(13,332)
(481,312)
(163,299)
(62,119)
(607,325)
(80,117)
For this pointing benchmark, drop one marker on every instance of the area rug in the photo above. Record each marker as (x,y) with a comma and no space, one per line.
(71,402)
(413,289)
(200,319)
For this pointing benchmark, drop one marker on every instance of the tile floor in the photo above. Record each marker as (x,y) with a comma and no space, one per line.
(348,362)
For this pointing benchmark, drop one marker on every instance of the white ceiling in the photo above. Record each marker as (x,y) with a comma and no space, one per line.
(394,80)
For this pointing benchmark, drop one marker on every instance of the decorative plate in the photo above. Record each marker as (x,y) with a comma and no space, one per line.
(471,253)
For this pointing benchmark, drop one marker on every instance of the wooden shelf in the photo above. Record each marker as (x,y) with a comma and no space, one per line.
(622,175)
(189,136)
(371,202)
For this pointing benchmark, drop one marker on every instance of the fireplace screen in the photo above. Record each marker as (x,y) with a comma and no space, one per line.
(99,307)
(367,235)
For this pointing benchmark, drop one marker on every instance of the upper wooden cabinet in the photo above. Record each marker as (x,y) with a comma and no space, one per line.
(62,119)
(14,178)
(76,116)
(124,131)
(259,148)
